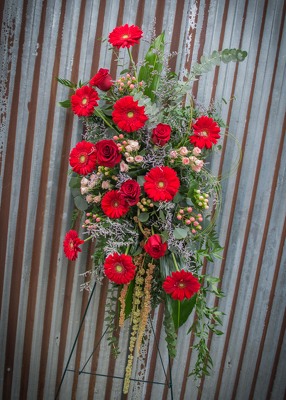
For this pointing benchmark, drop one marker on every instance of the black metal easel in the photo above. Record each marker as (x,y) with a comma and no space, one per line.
(67,369)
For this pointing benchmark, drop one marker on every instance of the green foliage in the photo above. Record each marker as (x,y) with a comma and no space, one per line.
(208,63)
(181,310)
(110,315)
(66,83)
(65,103)
(171,335)
(152,67)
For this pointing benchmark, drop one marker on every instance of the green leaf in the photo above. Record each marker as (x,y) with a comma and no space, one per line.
(150,71)
(80,203)
(143,217)
(162,215)
(75,182)
(180,233)
(128,299)
(65,103)
(66,83)
(181,310)
(140,180)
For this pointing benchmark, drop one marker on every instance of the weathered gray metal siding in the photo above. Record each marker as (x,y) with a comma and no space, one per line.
(40,301)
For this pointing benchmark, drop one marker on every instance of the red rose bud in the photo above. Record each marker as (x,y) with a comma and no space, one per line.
(161,134)
(155,247)
(107,153)
(130,190)
(102,80)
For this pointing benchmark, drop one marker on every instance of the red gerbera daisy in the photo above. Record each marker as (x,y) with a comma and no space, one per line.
(83,158)
(205,132)
(182,284)
(71,245)
(161,184)
(114,204)
(127,115)
(125,36)
(119,268)
(84,100)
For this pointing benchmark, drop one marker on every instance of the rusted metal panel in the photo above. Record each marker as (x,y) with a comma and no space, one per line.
(41,304)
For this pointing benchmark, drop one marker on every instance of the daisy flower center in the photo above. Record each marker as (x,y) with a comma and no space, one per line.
(130,114)
(115,204)
(161,184)
(84,101)
(119,268)
(71,244)
(82,158)
(181,285)
(203,133)
(125,36)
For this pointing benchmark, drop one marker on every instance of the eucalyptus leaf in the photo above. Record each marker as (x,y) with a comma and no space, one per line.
(80,203)
(180,233)
(143,217)
(75,182)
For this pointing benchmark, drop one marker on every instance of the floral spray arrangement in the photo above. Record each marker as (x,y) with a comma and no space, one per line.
(147,200)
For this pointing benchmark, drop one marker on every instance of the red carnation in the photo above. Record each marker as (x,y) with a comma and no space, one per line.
(161,184)
(130,190)
(125,36)
(127,115)
(205,133)
(107,153)
(83,158)
(71,245)
(114,204)
(155,247)
(182,284)
(119,268)
(161,134)
(102,80)
(84,100)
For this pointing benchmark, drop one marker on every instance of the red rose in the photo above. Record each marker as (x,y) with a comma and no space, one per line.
(161,134)
(102,80)
(107,153)
(155,247)
(130,191)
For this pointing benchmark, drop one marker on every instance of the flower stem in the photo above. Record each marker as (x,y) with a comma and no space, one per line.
(175,262)
(127,250)
(132,62)
(102,116)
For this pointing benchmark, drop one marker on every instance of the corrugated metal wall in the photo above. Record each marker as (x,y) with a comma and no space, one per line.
(40,301)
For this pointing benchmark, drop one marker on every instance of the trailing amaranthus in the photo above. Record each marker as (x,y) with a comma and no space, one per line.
(135,317)
(146,306)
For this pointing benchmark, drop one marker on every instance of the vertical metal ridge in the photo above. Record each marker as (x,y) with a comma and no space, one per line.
(154,353)
(138,22)
(192,32)
(176,33)
(79,348)
(98,335)
(160,7)
(119,22)
(10,149)
(221,38)
(269,309)
(98,34)
(277,357)
(202,43)
(268,215)
(60,197)
(234,199)
(38,233)
(22,219)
